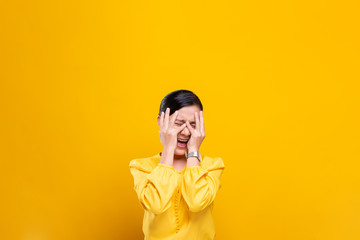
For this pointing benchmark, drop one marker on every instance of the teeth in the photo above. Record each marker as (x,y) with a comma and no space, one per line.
(180,140)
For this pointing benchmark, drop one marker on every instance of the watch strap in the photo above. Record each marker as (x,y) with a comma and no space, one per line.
(194,154)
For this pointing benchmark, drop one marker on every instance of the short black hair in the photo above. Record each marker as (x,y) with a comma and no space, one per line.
(178,99)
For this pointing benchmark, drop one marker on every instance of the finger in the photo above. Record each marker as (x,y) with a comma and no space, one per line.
(202,127)
(161,120)
(173,117)
(166,123)
(190,127)
(197,121)
(181,127)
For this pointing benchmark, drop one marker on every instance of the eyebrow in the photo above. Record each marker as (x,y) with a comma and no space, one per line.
(181,120)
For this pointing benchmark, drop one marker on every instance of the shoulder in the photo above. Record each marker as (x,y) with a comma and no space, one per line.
(145,164)
(212,163)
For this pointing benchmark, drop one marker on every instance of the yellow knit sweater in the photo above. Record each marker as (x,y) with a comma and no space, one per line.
(177,204)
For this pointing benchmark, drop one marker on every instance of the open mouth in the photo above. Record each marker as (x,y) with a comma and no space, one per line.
(181,143)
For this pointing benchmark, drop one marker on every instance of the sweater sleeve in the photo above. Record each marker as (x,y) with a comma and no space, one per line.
(155,188)
(200,184)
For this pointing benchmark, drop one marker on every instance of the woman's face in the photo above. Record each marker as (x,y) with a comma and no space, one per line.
(185,114)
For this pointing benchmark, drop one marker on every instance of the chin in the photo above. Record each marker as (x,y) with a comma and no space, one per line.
(180,151)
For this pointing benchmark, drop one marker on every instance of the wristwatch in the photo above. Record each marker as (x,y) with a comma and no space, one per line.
(193,154)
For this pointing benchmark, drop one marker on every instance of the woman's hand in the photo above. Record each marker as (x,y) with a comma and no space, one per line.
(169,131)
(197,133)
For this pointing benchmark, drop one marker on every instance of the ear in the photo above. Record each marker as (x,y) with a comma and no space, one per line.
(158,120)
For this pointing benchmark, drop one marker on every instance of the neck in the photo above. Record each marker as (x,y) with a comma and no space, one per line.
(179,157)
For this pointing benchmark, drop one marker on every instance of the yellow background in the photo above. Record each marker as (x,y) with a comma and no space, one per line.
(81,85)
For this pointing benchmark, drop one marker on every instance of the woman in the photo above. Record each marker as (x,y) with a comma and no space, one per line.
(177,186)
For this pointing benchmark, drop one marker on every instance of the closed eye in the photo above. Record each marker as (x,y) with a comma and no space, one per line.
(179,124)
